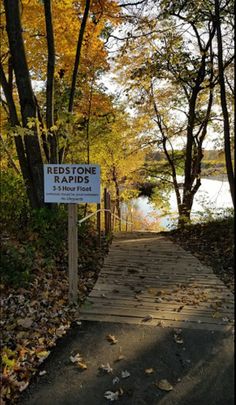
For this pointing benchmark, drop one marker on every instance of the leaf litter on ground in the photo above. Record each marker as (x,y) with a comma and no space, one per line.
(33,317)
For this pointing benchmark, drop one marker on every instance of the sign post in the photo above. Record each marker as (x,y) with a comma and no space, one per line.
(72,185)
(73,253)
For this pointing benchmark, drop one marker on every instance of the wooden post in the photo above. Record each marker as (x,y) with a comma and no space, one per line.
(131,219)
(109,213)
(105,212)
(99,223)
(120,223)
(114,218)
(73,253)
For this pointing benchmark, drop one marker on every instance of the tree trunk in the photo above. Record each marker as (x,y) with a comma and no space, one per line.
(185,212)
(75,70)
(227,140)
(27,101)
(19,144)
(50,82)
(78,53)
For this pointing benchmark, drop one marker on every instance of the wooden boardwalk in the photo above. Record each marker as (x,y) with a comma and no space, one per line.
(147,279)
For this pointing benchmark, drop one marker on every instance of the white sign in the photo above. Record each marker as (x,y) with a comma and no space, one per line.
(71,184)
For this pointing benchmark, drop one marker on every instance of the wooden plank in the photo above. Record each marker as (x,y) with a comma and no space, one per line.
(152,301)
(160,315)
(147,304)
(163,323)
(156,268)
(191,295)
(164,280)
(166,291)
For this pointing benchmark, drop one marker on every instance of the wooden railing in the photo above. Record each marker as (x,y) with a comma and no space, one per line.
(108,225)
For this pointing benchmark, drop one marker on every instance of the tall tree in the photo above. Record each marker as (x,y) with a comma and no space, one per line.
(33,57)
(219,10)
(31,150)
(120,154)
(173,81)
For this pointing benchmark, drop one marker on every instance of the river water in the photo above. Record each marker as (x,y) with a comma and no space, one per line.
(212,197)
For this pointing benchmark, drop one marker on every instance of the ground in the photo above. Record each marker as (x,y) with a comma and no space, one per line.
(213,244)
(200,369)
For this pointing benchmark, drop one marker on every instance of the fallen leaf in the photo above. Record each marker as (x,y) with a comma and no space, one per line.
(82,365)
(152,291)
(112,339)
(160,292)
(105,369)
(149,371)
(216,315)
(120,357)
(125,374)
(120,391)
(25,323)
(111,396)
(42,355)
(8,362)
(115,380)
(21,335)
(147,318)
(76,358)
(79,323)
(164,385)
(225,319)
(23,385)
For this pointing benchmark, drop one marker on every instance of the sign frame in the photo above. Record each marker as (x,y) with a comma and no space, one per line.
(72,183)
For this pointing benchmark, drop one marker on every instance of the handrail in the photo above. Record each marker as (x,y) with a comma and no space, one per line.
(102,209)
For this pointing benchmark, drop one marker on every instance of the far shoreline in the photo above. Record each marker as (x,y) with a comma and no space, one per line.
(218,177)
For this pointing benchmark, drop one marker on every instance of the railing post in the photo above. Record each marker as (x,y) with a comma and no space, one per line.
(131,219)
(99,223)
(114,219)
(105,212)
(109,212)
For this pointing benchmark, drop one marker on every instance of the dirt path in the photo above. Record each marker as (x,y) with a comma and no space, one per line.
(127,340)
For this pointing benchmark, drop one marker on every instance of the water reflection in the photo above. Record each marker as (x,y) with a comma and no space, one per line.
(212,195)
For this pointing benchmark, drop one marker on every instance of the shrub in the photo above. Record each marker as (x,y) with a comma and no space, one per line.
(16,263)
(15,211)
